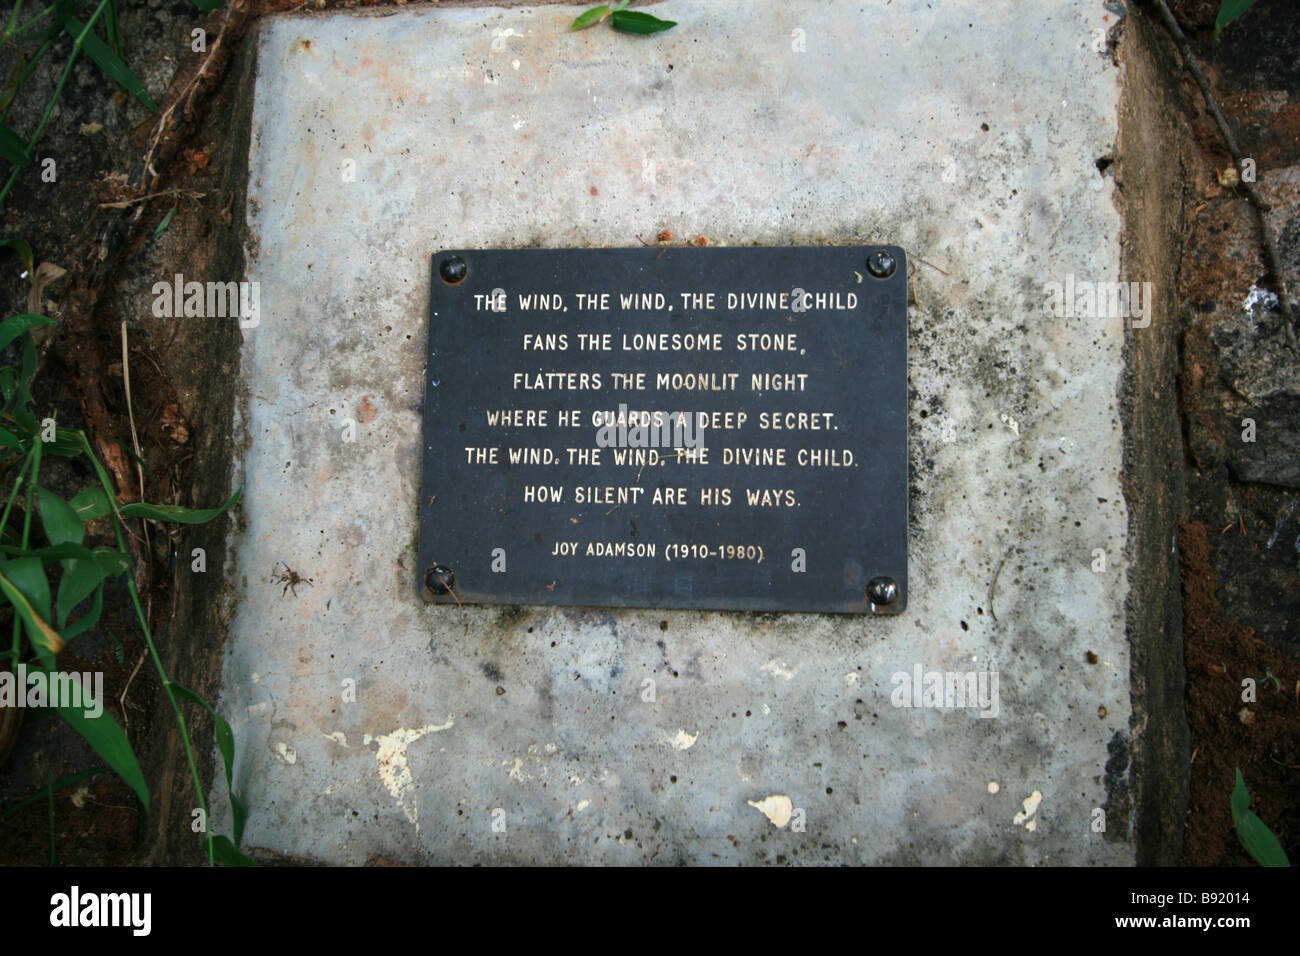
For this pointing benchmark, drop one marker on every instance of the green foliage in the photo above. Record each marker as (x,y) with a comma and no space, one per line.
(1229,12)
(622,19)
(1255,836)
(47,583)
(108,54)
(632,21)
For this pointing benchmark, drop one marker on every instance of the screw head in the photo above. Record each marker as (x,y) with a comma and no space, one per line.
(881,264)
(453,269)
(882,592)
(440,579)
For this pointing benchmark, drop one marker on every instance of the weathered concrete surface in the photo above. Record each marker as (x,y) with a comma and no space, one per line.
(969,135)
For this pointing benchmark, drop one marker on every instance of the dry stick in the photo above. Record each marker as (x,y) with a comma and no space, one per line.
(135,443)
(1261,207)
(126,718)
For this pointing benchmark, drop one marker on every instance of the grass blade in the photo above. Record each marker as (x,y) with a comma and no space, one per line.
(176,512)
(61,784)
(109,61)
(226,744)
(110,742)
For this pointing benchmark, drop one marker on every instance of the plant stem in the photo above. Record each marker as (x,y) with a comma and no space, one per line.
(148,638)
(4,523)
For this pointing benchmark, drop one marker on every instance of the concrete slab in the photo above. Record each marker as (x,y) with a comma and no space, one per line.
(968,133)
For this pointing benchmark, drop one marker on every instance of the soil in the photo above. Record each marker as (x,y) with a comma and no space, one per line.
(1240,537)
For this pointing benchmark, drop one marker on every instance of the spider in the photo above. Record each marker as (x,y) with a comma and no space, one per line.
(290,579)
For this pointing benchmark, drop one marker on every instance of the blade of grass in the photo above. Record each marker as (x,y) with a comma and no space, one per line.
(176,512)
(226,744)
(149,642)
(109,61)
(61,784)
(104,734)
(58,91)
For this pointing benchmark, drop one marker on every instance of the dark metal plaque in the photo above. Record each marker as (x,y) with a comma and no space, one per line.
(667,427)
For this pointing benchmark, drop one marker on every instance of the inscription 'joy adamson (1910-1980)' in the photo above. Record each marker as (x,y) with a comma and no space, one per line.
(677,427)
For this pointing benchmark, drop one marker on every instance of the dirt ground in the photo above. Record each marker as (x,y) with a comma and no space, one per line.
(1239,539)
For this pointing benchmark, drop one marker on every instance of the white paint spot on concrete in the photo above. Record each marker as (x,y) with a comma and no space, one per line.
(1030,804)
(851,678)
(777,808)
(778,668)
(683,740)
(582,805)
(338,737)
(286,753)
(394,771)
(1010,423)
(993,786)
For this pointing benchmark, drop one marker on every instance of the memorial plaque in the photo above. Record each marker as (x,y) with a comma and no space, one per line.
(667,427)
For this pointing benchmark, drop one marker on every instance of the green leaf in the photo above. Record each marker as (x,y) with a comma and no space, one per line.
(1254,834)
(594,15)
(89,619)
(1230,11)
(25,585)
(109,61)
(106,737)
(29,365)
(9,440)
(621,5)
(66,444)
(224,851)
(61,523)
(207,6)
(12,146)
(113,562)
(226,744)
(22,250)
(16,325)
(633,21)
(91,503)
(166,221)
(176,512)
(80,578)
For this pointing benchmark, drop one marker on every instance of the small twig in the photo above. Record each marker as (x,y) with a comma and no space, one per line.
(930,264)
(123,204)
(993,585)
(135,443)
(126,718)
(1261,207)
